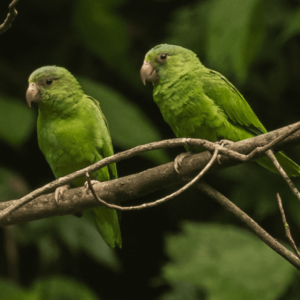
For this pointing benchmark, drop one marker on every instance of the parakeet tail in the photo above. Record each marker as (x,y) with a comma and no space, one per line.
(107,223)
(290,167)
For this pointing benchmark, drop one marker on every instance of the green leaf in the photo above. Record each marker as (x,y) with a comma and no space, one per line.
(85,237)
(292,26)
(229,263)
(17,121)
(128,125)
(235,35)
(78,235)
(188,27)
(228,33)
(183,290)
(111,39)
(105,33)
(51,288)
(60,288)
(10,291)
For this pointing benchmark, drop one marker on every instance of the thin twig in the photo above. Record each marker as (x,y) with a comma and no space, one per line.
(273,158)
(262,149)
(287,227)
(12,13)
(159,201)
(293,129)
(247,144)
(260,232)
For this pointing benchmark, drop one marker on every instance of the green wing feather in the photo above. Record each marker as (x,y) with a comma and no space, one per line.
(226,96)
(106,219)
(107,149)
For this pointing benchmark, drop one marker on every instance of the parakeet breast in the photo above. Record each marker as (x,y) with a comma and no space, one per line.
(186,108)
(70,144)
(190,112)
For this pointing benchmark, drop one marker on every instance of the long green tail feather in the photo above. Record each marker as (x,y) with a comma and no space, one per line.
(290,167)
(107,223)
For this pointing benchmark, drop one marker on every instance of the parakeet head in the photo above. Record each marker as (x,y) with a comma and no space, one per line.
(163,62)
(52,86)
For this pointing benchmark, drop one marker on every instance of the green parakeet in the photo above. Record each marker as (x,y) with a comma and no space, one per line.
(200,103)
(73,134)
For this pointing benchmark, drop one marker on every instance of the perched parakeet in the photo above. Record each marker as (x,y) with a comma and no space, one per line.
(73,134)
(200,103)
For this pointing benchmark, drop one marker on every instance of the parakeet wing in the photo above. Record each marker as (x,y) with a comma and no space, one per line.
(227,97)
(107,148)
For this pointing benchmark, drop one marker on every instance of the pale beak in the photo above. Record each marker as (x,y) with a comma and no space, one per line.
(148,73)
(33,93)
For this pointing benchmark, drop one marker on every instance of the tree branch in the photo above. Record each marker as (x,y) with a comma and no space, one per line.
(12,13)
(137,185)
(159,201)
(261,233)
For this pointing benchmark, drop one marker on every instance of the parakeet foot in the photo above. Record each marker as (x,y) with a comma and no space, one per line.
(60,191)
(179,159)
(223,143)
(87,189)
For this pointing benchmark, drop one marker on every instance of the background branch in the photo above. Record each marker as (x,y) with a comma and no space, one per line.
(272,157)
(287,227)
(12,13)
(261,233)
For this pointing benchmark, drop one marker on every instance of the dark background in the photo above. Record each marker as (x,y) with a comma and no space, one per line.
(188,248)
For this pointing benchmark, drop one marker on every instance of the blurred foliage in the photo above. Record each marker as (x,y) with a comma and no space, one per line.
(292,26)
(256,44)
(212,257)
(78,235)
(55,288)
(12,185)
(231,33)
(16,121)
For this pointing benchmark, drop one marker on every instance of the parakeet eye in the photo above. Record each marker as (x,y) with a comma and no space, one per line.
(48,81)
(162,57)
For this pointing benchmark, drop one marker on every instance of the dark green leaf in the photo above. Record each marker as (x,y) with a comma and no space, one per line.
(53,288)
(292,26)
(16,121)
(184,290)
(188,27)
(101,29)
(10,291)
(105,34)
(60,288)
(128,125)
(78,235)
(235,35)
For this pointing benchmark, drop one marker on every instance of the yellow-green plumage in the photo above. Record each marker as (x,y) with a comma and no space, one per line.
(73,134)
(200,103)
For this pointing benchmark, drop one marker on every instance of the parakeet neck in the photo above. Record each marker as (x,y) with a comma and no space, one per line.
(60,106)
(175,85)
(175,97)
